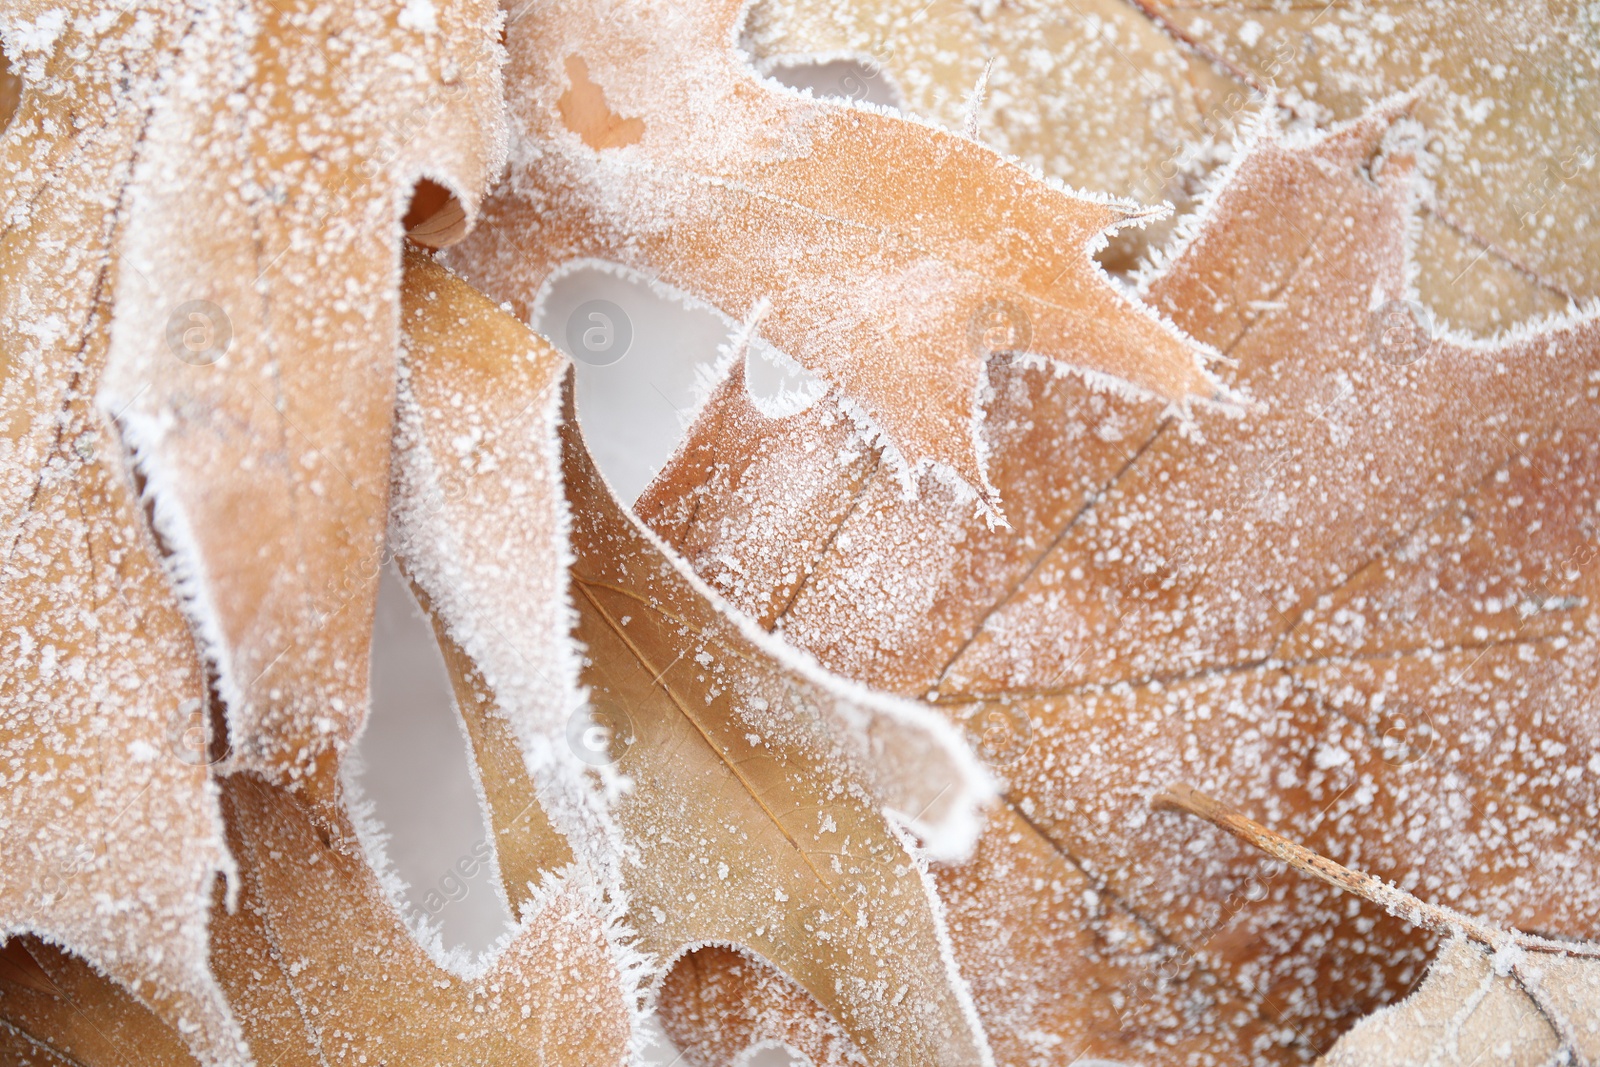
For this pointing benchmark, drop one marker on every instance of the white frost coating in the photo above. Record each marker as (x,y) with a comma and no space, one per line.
(919,858)
(947,951)
(626,273)
(788,399)
(374,841)
(437,542)
(183,561)
(216,1039)
(527,656)
(766,66)
(609,905)
(876,437)
(1258,126)
(1261,129)
(291,235)
(730,352)
(1265,132)
(858,710)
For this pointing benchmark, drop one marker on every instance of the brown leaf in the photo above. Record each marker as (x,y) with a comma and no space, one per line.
(1168,603)
(1092,92)
(59,1009)
(1124,98)
(112,834)
(125,145)
(1491,992)
(755,800)
(886,256)
(1466,1012)
(320,968)
(1509,92)
(102,697)
(252,375)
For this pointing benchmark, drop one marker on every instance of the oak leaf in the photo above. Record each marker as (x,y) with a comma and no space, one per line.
(1141,100)
(1360,604)
(102,697)
(1092,93)
(755,801)
(317,966)
(130,132)
(885,256)
(278,145)
(1490,992)
(1509,92)
(320,968)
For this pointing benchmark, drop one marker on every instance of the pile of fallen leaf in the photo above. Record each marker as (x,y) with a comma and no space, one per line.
(932,712)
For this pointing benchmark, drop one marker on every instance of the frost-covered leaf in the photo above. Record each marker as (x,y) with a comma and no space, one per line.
(1111,96)
(109,833)
(1492,994)
(1092,92)
(1509,91)
(1365,604)
(890,257)
(320,969)
(756,801)
(221,189)
(1466,1012)
(231,180)
(59,1010)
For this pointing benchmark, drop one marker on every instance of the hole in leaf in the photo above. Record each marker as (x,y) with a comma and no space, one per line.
(640,357)
(414,767)
(584,109)
(10,92)
(840,78)
(778,385)
(435,217)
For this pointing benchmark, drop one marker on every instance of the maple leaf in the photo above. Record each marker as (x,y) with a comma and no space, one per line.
(1142,100)
(883,255)
(1253,606)
(758,802)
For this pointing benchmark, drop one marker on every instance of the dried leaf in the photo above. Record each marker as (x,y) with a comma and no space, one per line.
(128,140)
(110,835)
(886,256)
(58,1009)
(278,145)
(1092,93)
(1466,1012)
(1510,92)
(1125,98)
(760,803)
(1491,992)
(1249,605)
(320,968)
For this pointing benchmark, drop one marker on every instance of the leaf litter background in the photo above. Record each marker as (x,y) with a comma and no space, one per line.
(643,436)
